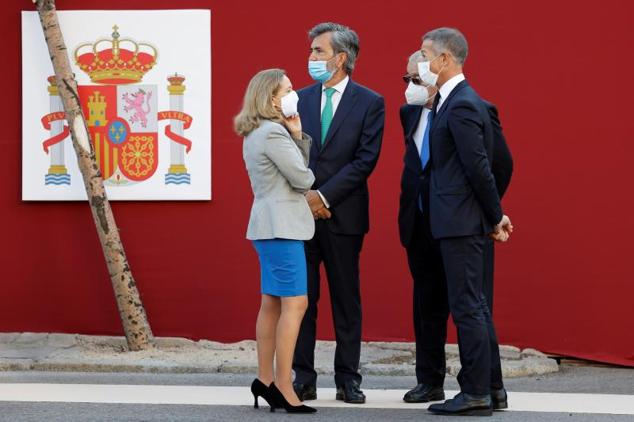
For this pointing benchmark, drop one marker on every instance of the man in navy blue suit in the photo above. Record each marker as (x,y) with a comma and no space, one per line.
(430,308)
(464,209)
(345,121)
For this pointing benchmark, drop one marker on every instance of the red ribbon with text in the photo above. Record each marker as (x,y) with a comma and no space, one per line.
(187,122)
(46,122)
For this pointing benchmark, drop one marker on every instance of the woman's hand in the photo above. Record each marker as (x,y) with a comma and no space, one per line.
(294,126)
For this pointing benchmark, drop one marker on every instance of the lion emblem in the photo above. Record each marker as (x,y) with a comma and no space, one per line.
(134,103)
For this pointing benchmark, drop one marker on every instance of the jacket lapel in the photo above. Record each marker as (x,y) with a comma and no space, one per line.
(445,103)
(415,115)
(412,156)
(312,118)
(348,99)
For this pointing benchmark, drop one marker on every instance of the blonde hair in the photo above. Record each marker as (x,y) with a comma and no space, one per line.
(258,101)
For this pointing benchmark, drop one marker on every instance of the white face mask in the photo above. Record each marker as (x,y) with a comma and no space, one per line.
(288,103)
(416,94)
(426,75)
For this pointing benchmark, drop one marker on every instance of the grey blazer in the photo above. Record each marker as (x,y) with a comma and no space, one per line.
(279,174)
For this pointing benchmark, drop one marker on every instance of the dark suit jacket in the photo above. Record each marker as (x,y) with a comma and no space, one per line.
(415,182)
(349,154)
(413,179)
(464,199)
(502,161)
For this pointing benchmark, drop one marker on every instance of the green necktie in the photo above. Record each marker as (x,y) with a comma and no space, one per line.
(326,115)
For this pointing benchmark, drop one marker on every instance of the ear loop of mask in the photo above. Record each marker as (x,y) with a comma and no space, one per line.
(441,69)
(278,107)
(332,58)
(432,97)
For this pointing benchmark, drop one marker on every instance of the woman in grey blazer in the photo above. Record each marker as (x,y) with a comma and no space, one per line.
(276,152)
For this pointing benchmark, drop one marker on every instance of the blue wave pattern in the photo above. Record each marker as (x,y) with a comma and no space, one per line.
(178,179)
(57,179)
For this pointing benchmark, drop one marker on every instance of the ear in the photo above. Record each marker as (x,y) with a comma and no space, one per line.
(342,60)
(448,59)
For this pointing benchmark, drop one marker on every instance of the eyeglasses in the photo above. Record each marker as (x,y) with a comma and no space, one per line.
(413,79)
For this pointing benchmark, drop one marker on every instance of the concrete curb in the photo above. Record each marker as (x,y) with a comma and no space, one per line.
(81,353)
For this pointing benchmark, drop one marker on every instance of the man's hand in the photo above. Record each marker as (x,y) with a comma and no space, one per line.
(503,230)
(505,224)
(500,236)
(316,205)
(322,214)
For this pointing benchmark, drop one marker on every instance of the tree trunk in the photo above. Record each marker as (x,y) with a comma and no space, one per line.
(135,325)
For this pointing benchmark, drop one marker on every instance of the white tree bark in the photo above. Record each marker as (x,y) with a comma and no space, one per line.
(135,324)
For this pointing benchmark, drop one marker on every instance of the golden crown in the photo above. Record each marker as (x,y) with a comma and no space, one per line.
(116,65)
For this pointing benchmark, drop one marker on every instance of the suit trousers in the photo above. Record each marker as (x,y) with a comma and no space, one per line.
(487,289)
(431,308)
(463,259)
(489,265)
(340,255)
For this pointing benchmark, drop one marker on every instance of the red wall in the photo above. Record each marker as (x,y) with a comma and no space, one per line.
(559,73)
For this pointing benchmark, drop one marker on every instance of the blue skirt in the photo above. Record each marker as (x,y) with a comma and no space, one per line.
(282,267)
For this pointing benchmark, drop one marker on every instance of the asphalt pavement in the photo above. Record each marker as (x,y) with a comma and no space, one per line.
(573,388)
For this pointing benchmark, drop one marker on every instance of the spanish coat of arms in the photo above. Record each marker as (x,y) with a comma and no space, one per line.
(130,121)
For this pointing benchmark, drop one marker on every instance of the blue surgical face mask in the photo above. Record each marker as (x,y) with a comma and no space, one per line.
(318,70)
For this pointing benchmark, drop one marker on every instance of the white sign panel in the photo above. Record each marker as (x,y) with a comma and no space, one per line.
(145,88)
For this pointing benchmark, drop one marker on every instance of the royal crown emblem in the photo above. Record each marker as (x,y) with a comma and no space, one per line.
(116,64)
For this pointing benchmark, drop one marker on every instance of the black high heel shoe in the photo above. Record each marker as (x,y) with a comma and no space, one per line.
(280,401)
(259,389)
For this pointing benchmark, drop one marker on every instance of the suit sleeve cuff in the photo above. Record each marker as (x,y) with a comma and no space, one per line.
(323,199)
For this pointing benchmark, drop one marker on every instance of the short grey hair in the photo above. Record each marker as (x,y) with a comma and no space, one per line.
(449,40)
(415,57)
(344,40)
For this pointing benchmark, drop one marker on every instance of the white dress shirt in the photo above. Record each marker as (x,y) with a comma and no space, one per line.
(447,87)
(336,99)
(336,96)
(420,130)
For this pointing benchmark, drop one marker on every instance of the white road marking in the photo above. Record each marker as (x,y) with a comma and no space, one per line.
(241,396)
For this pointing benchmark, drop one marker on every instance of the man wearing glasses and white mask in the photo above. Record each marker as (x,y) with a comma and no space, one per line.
(423,251)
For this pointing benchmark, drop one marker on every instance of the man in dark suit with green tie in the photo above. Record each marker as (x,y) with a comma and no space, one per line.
(345,120)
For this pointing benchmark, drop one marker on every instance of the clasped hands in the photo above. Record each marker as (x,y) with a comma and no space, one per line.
(317,207)
(502,232)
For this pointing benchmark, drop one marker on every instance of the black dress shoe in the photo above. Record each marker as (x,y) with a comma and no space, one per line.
(499,399)
(464,404)
(351,393)
(423,393)
(305,391)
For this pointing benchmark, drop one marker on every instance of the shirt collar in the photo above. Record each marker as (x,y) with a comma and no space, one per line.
(448,86)
(340,87)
